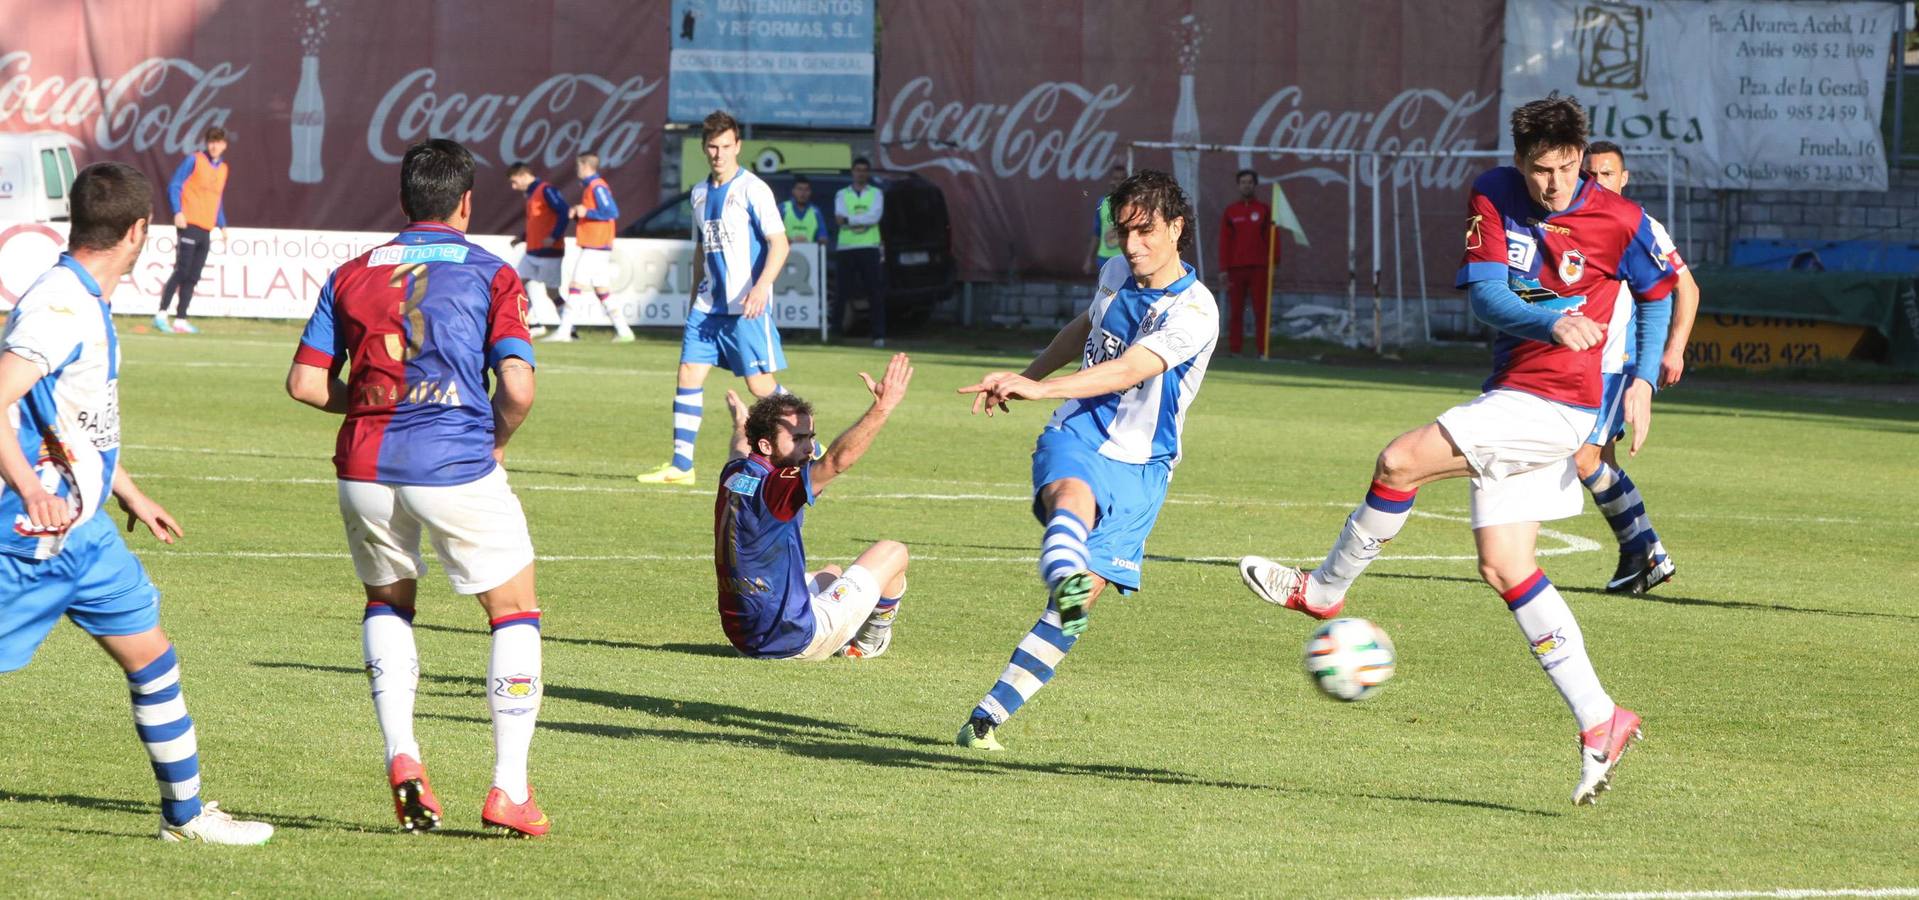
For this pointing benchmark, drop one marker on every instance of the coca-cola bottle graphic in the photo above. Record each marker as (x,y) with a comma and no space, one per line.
(1186,118)
(309,103)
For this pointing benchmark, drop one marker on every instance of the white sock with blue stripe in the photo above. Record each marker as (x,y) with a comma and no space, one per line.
(513,696)
(392,673)
(1618,498)
(1559,645)
(1063,549)
(166,731)
(688,405)
(1039,653)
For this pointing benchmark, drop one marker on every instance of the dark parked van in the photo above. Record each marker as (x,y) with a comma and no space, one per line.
(920,270)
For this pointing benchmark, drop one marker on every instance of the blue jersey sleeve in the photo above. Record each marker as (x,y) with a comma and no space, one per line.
(179,183)
(1495,304)
(605,209)
(1652,321)
(556,201)
(1647,270)
(320,342)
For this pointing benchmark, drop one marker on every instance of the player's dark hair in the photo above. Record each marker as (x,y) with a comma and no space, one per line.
(591,159)
(802,179)
(213,133)
(861,161)
(1153,191)
(518,168)
(1245,172)
(717,123)
(1553,123)
(763,420)
(434,175)
(1598,147)
(104,202)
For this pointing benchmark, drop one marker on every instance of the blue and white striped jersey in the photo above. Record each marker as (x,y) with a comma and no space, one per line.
(69,422)
(733,222)
(1180,324)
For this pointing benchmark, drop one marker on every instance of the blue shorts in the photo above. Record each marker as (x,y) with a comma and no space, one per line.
(1611,425)
(746,346)
(1126,495)
(95,581)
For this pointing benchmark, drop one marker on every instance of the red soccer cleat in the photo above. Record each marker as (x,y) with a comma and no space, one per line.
(1283,586)
(1600,748)
(524,819)
(413,800)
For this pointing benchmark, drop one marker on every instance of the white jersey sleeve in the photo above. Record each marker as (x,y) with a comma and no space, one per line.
(1189,326)
(47,329)
(765,209)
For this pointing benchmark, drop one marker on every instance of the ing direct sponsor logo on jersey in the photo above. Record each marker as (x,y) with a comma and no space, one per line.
(397,255)
(742,483)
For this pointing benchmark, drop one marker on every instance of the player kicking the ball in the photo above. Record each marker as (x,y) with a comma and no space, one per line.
(770,606)
(1643,561)
(1546,251)
(59,458)
(422,318)
(739,249)
(1102,464)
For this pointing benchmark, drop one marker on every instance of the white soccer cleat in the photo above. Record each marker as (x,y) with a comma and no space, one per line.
(1600,749)
(1282,586)
(536,331)
(216,826)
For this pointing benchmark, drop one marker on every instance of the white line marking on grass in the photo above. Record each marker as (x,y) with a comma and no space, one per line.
(1782,893)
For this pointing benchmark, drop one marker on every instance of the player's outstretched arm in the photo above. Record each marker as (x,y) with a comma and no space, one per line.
(740,448)
(317,387)
(851,445)
(18,375)
(1685,308)
(512,400)
(142,509)
(1066,346)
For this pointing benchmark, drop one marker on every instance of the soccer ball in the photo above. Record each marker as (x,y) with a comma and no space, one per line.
(1349,659)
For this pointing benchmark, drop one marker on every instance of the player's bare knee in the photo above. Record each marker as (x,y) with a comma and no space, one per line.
(1066,492)
(1587,460)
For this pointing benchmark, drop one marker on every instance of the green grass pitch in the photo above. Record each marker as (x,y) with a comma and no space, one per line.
(1181,751)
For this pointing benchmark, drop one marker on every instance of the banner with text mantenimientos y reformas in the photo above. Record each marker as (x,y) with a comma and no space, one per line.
(1758,94)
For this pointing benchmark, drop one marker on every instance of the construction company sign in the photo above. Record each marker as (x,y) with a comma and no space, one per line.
(979,98)
(265,273)
(322,97)
(1759,94)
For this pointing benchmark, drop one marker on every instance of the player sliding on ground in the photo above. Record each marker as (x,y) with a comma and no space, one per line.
(1643,561)
(739,248)
(770,606)
(1545,253)
(59,458)
(422,318)
(1101,466)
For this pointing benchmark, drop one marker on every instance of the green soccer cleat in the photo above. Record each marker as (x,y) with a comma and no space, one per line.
(977,734)
(1071,596)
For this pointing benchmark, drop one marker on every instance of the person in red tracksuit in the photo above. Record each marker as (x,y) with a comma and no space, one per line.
(1245,239)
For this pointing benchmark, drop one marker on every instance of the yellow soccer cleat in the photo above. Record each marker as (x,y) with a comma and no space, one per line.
(667,473)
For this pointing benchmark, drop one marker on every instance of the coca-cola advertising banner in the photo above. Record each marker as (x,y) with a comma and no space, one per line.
(321,97)
(1019,110)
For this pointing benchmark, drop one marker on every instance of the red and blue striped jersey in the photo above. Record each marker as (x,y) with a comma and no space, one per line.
(422,318)
(765,607)
(1571,261)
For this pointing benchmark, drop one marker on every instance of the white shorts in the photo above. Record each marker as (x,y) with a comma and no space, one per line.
(543,269)
(594,269)
(478,531)
(1520,448)
(839,609)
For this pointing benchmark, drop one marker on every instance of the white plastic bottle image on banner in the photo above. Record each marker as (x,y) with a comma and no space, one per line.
(1186,118)
(309,103)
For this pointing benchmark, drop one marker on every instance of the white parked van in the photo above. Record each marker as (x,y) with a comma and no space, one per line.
(36,168)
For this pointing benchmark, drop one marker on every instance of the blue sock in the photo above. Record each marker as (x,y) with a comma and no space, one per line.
(1619,500)
(1063,550)
(687,404)
(1034,660)
(166,731)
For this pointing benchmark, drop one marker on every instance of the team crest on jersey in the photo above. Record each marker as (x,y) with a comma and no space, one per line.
(516,687)
(1521,251)
(1572,264)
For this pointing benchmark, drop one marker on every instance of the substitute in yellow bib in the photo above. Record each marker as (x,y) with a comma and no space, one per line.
(858,258)
(804,224)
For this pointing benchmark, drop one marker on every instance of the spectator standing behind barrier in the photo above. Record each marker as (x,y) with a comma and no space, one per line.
(1105,244)
(1246,245)
(804,224)
(858,256)
(196,192)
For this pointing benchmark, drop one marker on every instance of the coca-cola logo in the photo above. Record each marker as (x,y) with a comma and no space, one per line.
(1416,120)
(1029,138)
(125,111)
(532,127)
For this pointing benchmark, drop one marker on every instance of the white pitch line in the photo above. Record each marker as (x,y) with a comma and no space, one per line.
(1781,893)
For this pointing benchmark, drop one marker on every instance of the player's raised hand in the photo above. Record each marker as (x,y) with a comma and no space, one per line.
(1638,413)
(1578,332)
(141,509)
(756,300)
(737,407)
(891,388)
